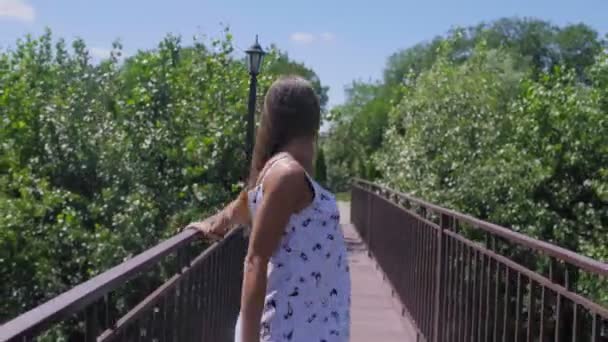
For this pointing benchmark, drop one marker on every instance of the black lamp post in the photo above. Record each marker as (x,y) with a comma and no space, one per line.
(255,55)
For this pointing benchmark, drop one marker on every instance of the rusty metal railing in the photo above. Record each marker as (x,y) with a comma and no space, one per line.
(174,291)
(463,279)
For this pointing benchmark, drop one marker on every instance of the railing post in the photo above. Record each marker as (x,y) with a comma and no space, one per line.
(439,288)
(91,323)
(368,222)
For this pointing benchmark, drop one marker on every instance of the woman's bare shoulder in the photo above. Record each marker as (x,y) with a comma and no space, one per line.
(286,176)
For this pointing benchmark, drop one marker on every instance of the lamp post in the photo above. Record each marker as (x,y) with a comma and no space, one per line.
(255,55)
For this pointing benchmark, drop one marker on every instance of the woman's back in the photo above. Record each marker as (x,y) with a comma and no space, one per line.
(308,288)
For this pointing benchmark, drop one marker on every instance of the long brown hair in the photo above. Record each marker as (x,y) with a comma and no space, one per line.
(291,110)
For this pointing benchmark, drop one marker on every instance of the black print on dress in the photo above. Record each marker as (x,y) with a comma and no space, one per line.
(306,222)
(293,228)
(333,292)
(347,269)
(308,304)
(324,302)
(289,311)
(326,319)
(280,264)
(311,318)
(295,292)
(287,248)
(334,332)
(340,261)
(330,237)
(323,340)
(317,277)
(324,197)
(328,255)
(336,316)
(324,223)
(317,247)
(335,217)
(303,256)
(302,280)
(265,329)
(288,335)
(271,304)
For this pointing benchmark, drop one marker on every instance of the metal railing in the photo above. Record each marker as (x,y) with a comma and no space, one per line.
(463,279)
(175,291)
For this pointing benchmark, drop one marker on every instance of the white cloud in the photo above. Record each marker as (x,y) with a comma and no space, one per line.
(327,36)
(309,38)
(100,53)
(17,9)
(302,37)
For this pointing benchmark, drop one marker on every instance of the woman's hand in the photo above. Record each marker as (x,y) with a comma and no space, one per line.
(214,227)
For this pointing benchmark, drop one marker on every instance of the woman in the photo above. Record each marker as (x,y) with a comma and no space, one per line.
(296,285)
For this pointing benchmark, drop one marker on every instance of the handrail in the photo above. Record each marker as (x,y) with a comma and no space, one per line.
(93,289)
(460,286)
(586,263)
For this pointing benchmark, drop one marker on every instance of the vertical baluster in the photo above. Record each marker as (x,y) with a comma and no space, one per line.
(162,317)
(204,290)
(106,311)
(481,311)
(172,321)
(475,297)
(461,297)
(410,296)
(574,322)
(215,299)
(417,271)
(422,274)
(518,304)
(440,278)
(141,326)
(531,304)
(496,302)
(429,278)
(155,320)
(184,304)
(542,313)
(428,293)
(596,329)
(449,290)
(506,304)
(488,290)
(467,298)
(454,285)
(91,323)
(558,316)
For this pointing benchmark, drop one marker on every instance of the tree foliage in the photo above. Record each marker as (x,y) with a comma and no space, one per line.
(534,45)
(506,121)
(98,161)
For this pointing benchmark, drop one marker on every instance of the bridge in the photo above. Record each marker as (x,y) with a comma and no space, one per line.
(420,272)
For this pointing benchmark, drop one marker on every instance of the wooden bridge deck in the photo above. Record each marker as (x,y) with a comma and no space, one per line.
(375,314)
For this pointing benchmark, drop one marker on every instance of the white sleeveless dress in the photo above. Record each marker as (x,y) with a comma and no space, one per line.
(308,288)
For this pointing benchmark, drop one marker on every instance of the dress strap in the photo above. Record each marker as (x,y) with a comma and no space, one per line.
(269,165)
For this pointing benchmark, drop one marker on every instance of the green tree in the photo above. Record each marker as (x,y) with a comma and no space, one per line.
(283,65)
(100,161)
(320,167)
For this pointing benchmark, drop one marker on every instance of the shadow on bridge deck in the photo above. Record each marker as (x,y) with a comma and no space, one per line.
(375,314)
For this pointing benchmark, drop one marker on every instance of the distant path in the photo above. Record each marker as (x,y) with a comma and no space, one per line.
(375,314)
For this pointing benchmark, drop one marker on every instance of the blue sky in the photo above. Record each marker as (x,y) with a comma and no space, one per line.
(341,40)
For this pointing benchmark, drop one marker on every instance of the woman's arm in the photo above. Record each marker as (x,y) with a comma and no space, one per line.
(279,203)
(235,213)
